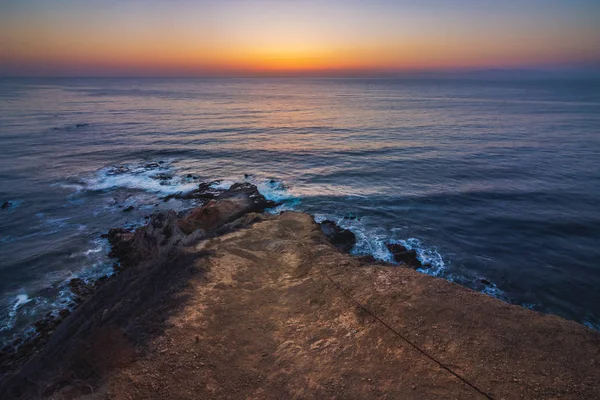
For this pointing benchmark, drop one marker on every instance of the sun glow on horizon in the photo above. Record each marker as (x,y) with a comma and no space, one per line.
(262,37)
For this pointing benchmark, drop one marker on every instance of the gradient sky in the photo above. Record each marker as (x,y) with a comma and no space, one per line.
(268,37)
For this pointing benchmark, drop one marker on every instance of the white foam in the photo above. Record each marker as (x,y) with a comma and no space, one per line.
(591,325)
(222,185)
(19,300)
(278,192)
(372,241)
(136,177)
(95,264)
(493,291)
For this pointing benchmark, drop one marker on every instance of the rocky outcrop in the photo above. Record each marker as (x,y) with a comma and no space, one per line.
(167,229)
(239,199)
(214,304)
(271,311)
(404,256)
(341,238)
(235,208)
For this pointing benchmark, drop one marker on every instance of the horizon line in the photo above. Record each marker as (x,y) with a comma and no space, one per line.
(467,73)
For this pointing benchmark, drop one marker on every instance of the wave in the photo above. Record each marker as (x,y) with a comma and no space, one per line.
(24,307)
(372,241)
(157,179)
(9,321)
(154,177)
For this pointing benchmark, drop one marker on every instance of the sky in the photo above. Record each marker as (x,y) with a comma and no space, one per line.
(295,37)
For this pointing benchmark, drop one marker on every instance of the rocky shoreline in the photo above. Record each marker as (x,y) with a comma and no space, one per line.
(118,319)
(154,240)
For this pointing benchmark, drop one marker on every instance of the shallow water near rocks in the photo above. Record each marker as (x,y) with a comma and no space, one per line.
(496,185)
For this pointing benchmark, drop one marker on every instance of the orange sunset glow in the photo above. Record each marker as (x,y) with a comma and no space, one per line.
(263,37)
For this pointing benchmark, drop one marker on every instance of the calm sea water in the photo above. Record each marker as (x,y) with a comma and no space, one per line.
(487,180)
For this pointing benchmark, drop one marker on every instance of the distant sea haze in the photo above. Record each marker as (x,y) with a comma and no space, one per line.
(495,183)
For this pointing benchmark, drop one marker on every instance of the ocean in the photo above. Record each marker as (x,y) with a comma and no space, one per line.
(496,184)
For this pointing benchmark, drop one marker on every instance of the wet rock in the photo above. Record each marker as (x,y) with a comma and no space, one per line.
(172,196)
(46,326)
(118,170)
(121,241)
(81,289)
(206,191)
(81,125)
(403,255)
(166,229)
(49,291)
(151,165)
(150,241)
(341,238)
(5,205)
(239,199)
(101,281)
(129,209)
(162,177)
(485,282)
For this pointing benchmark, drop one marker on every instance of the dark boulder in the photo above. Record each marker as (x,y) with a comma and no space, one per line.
(239,199)
(81,289)
(258,202)
(151,165)
(173,196)
(403,255)
(149,241)
(341,238)
(121,242)
(6,204)
(117,170)
(165,230)
(206,191)
(162,177)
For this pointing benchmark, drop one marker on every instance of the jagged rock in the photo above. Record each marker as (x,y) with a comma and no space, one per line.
(239,199)
(150,241)
(403,255)
(81,289)
(166,229)
(205,191)
(341,238)
(162,177)
(118,170)
(121,241)
(173,196)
